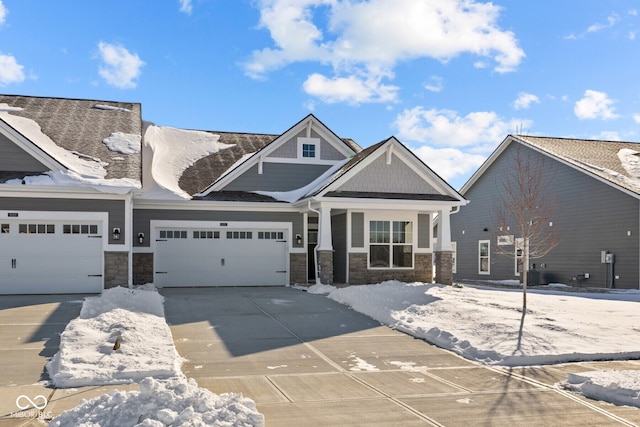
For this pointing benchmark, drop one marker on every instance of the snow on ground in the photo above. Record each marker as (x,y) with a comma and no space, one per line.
(175,402)
(145,353)
(487,325)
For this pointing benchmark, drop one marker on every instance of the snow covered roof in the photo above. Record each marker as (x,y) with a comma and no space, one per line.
(76,132)
(613,161)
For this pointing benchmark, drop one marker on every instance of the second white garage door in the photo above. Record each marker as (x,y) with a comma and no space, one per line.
(220,257)
(50,256)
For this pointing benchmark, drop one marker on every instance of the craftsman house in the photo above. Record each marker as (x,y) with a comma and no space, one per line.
(595,186)
(92,197)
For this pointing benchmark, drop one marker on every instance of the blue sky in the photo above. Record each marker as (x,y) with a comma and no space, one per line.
(449,78)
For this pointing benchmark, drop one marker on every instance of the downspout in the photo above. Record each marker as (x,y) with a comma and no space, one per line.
(315,250)
(128,204)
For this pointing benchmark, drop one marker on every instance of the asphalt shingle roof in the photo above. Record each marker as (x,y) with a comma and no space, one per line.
(207,170)
(78,125)
(595,156)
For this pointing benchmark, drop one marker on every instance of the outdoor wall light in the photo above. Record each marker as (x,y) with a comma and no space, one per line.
(116,234)
(140,238)
(298,239)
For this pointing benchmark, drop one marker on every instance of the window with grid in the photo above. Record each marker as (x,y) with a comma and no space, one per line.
(308,150)
(391,244)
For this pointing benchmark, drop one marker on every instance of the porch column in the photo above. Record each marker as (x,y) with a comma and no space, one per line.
(325,247)
(443,253)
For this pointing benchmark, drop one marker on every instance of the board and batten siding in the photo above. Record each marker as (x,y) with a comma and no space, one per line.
(15,159)
(277,177)
(590,216)
(114,208)
(357,229)
(424,230)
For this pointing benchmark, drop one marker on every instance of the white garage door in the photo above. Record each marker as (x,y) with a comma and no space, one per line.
(50,257)
(220,257)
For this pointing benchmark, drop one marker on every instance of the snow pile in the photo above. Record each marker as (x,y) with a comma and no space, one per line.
(171,151)
(174,402)
(124,143)
(630,162)
(89,354)
(487,325)
(618,387)
(81,169)
(4,107)
(111,108)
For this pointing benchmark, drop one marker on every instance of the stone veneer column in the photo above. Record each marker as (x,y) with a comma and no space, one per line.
(116,269)
(325,262)
(298,268)
(142,268)
(444,267)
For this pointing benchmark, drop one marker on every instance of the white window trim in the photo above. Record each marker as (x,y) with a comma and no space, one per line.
(391,220)
(311,141)
(480,243)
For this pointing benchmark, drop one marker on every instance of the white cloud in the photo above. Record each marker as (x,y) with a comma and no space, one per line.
(608,135)
(3,13)
(611,21)
(595,105)
(10,70)
(120,68)
(481,130)
(352,89)
(636,118)
(186,6)
(525,100)
(449,162)
(364,37)
(435,84)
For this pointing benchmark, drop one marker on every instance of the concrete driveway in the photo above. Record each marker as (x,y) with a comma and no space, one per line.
(309,361)
(306,361)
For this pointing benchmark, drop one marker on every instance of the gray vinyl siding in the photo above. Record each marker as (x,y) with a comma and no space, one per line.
(142,218)
(15,159)
(339,238)
(424,230)
(357,229)
(396,177)
(277,177)
(114,208)
(590,216)
(289,149)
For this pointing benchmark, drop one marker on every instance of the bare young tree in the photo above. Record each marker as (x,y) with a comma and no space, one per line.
(524,211)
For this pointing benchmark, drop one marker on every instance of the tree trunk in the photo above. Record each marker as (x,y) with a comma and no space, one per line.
(524,290)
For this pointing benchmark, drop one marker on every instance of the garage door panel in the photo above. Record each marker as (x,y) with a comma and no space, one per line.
(44,259)
(234,258)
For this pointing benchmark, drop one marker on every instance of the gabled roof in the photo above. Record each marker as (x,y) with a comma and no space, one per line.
(598,158)
(206,175)
(441,191)
(80,126)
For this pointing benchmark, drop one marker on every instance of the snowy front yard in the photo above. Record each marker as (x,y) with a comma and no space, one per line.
(485,325)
